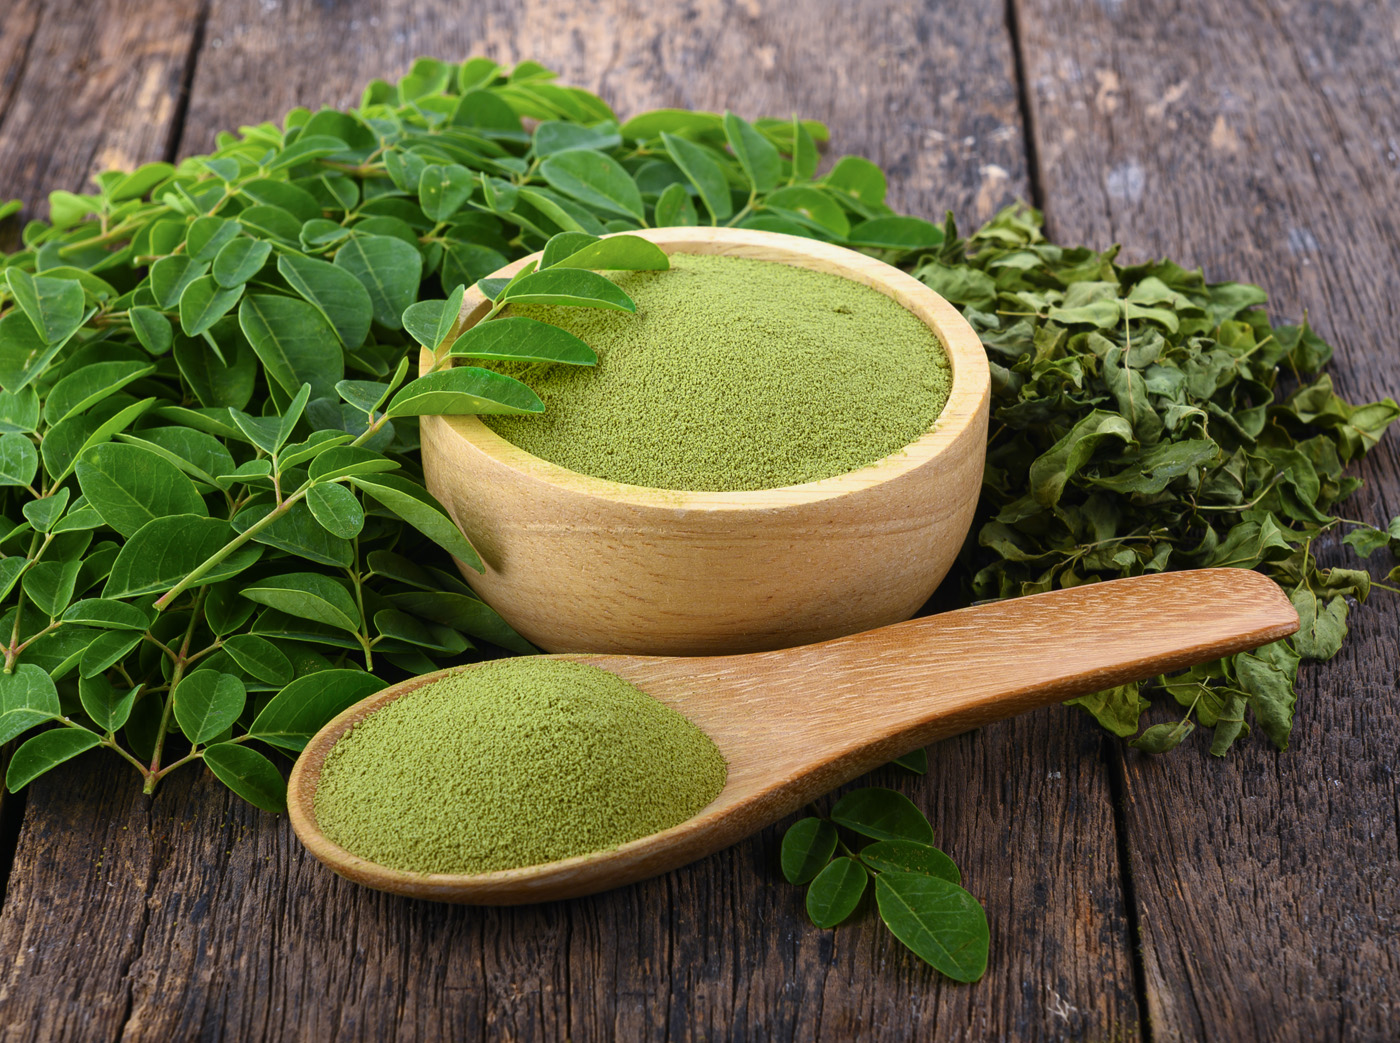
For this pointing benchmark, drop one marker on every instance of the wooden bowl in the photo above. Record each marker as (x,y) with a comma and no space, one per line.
(582,564)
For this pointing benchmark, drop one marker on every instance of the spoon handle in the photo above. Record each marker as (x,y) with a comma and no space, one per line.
(882,693)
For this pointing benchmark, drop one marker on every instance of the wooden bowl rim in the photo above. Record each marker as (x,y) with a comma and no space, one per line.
(967,359)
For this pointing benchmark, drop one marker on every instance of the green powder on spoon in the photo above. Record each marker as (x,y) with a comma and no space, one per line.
(512,763)
(733,374)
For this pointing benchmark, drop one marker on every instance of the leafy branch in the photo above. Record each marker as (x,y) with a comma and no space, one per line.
(918,889)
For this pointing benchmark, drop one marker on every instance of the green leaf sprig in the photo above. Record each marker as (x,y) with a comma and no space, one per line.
(878,835)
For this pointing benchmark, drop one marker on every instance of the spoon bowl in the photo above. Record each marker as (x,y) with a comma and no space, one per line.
(796,723)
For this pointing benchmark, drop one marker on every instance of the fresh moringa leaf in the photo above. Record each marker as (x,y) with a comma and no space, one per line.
(308,595)
(594,179)
(756,154)
(108,614)
(883,814)
(89,385)
(520,339)
(54,306)
(443,190)
(629,253)
(674,207)
(388,269)
(29,688)
(299,710)
(294,341)
(165,550)
(249,774)
(563,245)
(808,846)
(937,919)
(466,613)
(464,390)
(704,172)
(260,658)
(19,460)
(906,856)
(207,703)
(336,509)
(337,294)
(24,354)
(296,532)
(238,261)
(917,761)
(46,751)
(836,891)
(108,706)
(130,486)
(570,287)
(49,584)
(218,382)
(416,506)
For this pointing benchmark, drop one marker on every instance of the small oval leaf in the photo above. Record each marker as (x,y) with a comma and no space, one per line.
(836,892)
(808,846)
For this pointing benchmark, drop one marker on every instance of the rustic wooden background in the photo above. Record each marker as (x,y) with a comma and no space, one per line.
(1183,898)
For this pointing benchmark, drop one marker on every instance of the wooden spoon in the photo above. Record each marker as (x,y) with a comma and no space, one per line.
(796,723)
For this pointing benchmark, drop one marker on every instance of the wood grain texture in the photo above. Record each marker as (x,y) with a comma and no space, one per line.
(233,932)
(1259,140)
(577,563)
(215,924)
(87,87)
(77,907)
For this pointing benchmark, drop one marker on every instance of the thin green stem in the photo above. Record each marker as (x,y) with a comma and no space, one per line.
(748,208)
(54,624)
(170,652)
(357,581)
(193,755)
(373,428)
(176,675)
(1244,506)
(69,249)
(111,743)
(214,560)
(12,650)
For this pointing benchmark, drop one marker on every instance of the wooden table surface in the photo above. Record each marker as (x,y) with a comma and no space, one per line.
(1180,898)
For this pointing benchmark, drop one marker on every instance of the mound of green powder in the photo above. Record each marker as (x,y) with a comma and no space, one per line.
(733,374)
(513,763)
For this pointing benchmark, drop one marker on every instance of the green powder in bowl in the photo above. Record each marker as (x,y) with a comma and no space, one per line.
(733,374)
(512,763)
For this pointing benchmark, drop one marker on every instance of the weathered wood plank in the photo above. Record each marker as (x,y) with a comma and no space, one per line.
(233,932)
(923,90)
(92,86)
(16,44)
(1259,140)
(76,909)
(83,87)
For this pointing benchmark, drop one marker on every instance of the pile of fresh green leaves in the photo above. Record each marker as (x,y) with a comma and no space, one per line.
(214,527)
(1144,419)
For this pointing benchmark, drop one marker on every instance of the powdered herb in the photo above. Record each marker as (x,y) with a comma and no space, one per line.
(734,374)
(513,763)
